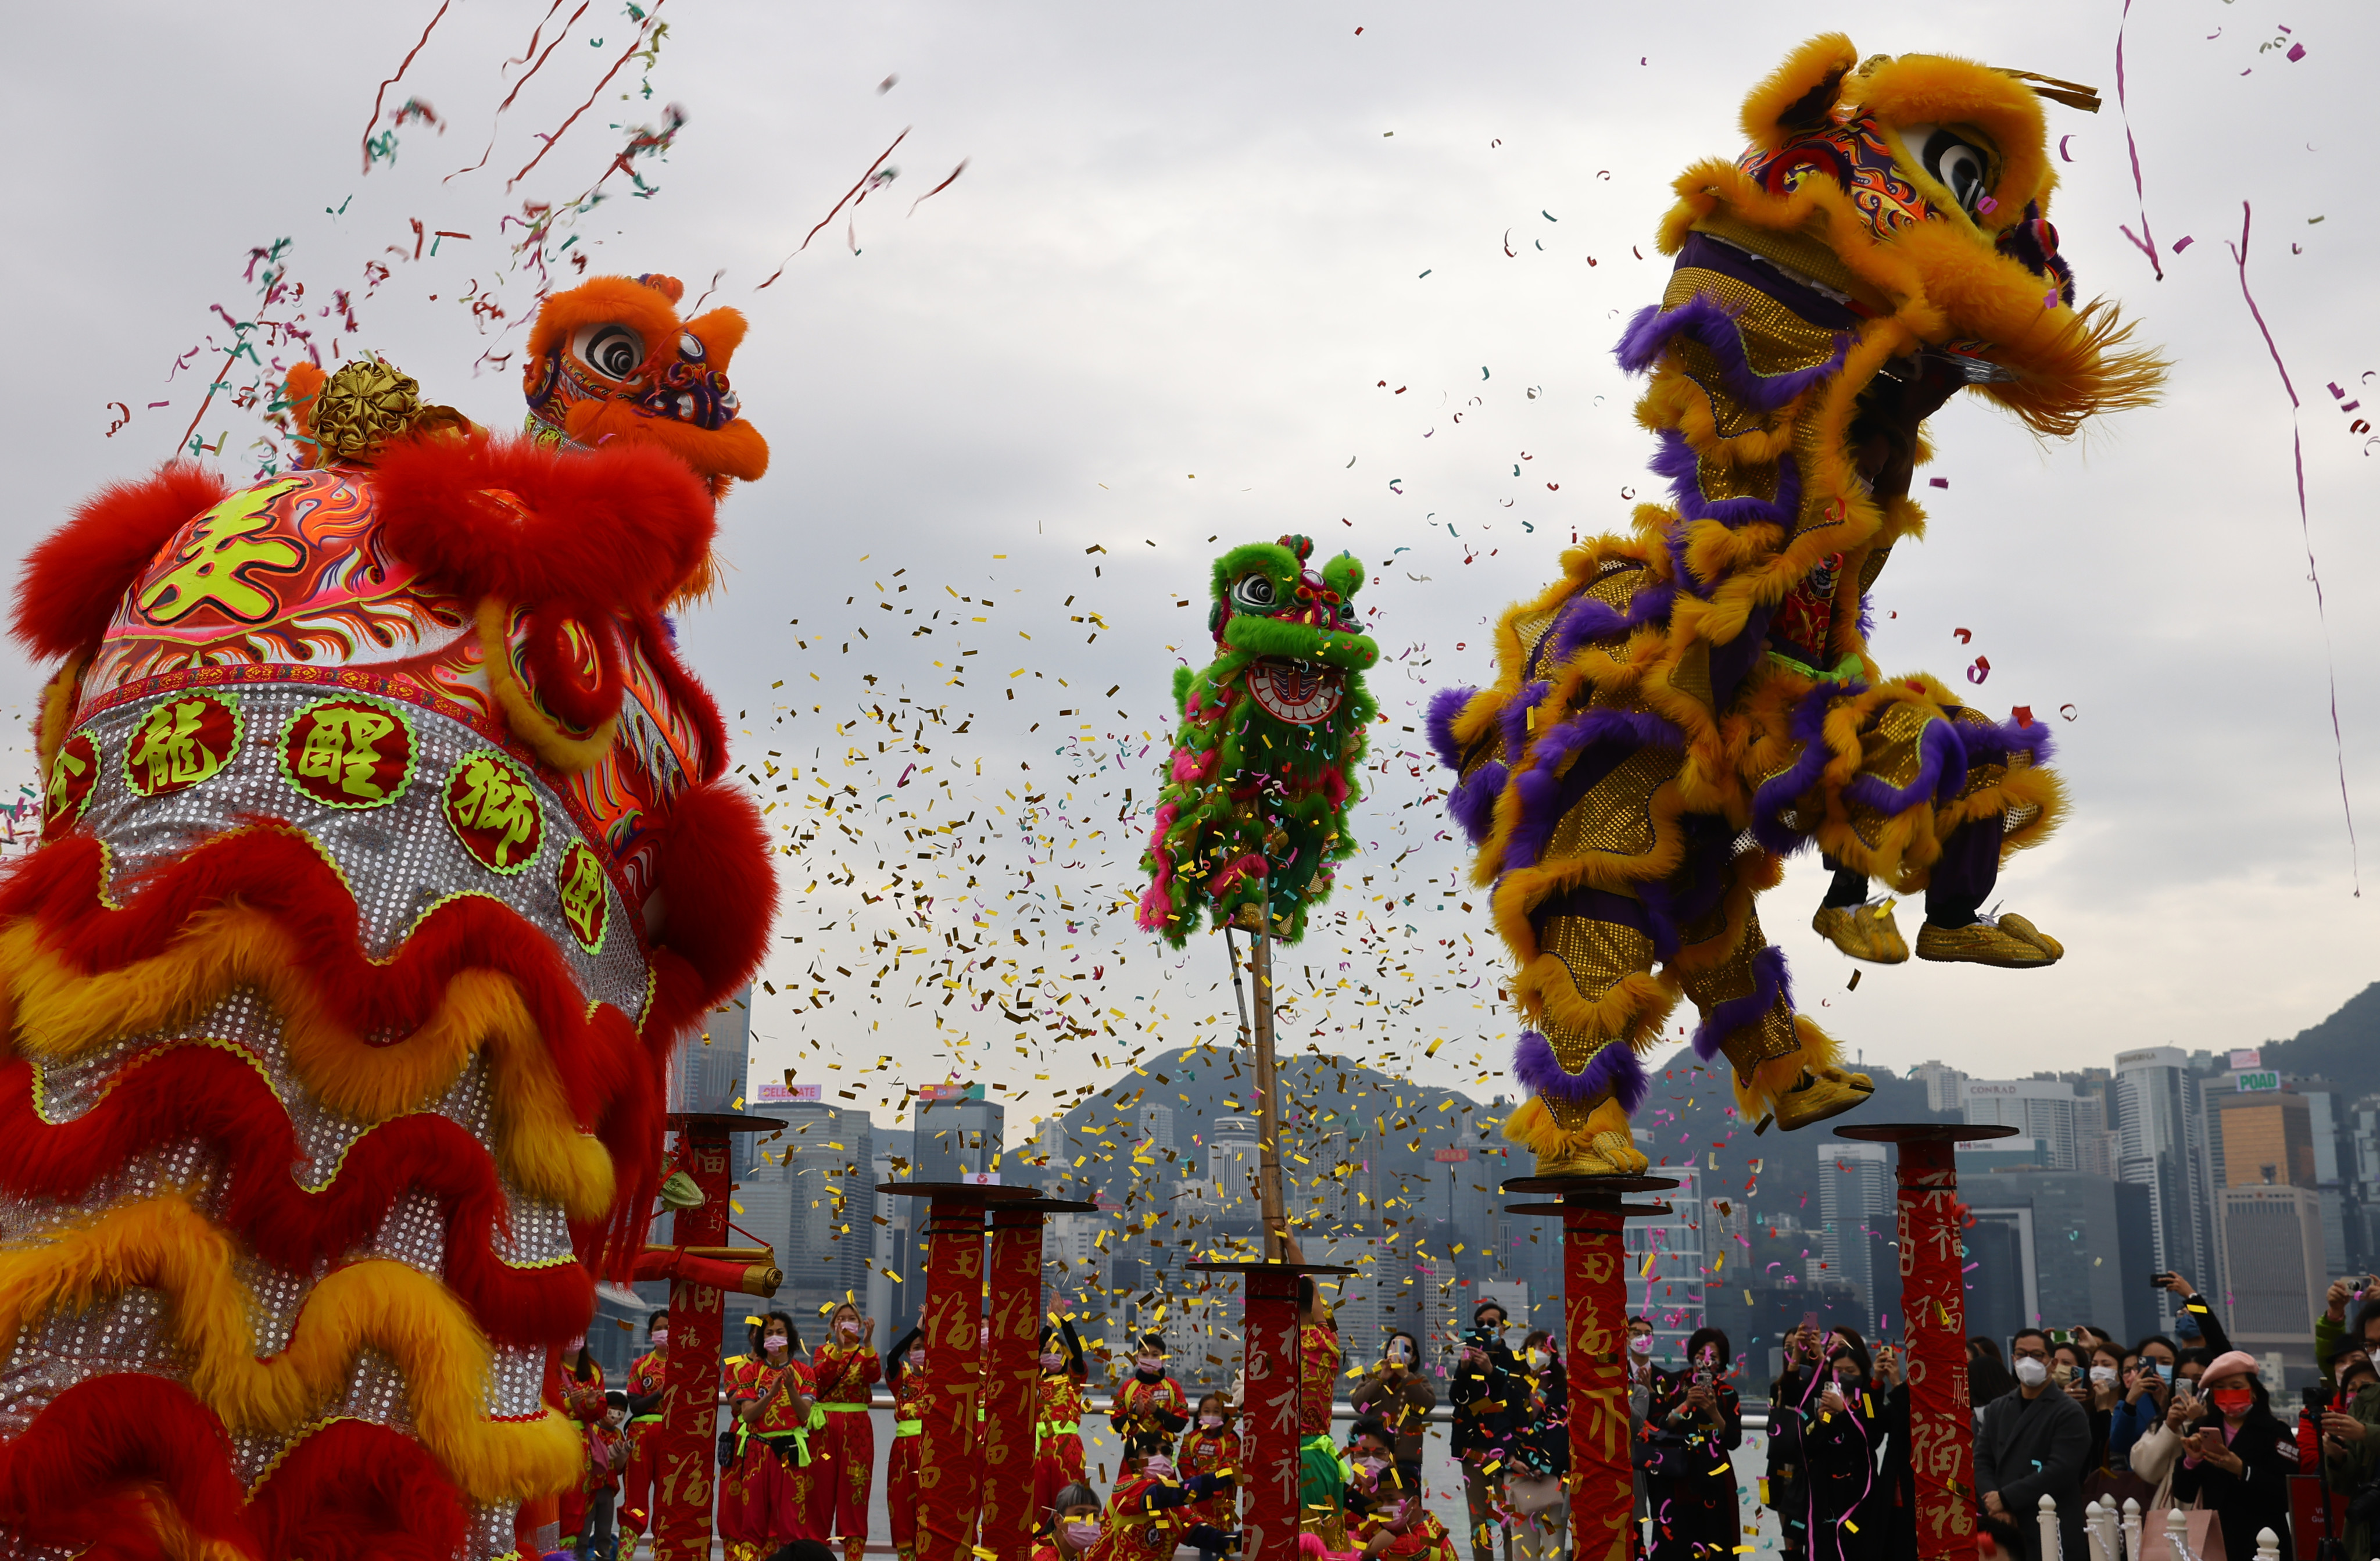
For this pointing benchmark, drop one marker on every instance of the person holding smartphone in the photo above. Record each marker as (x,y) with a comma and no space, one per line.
(1846,1511)
(2350,1448)
(1400,1392)
(1792,1402)
(1693,1426)
(2239,1456)
(2147,1390)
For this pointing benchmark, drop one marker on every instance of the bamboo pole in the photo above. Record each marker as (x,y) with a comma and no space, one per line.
(1269,1095)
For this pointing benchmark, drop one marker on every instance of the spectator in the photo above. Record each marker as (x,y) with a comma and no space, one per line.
(1484,1392)
(1692,1426)
(1640,1388)
(607,1460)
(1401,1393)
(1846,1513)
(2350,1445)
(2070,1372)
(2032,1443)
(1536,1493)
(1897,1478)
(2239,1458)
(1988,1374)
(2147,1388)
(2195,1325)
(2330,1334)
(1792,1402)
(1075,1528)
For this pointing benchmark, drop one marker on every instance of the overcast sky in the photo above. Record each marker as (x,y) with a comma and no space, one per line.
(1155,307)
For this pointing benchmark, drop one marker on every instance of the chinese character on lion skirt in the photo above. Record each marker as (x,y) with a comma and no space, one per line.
(1692,702)
(386,856)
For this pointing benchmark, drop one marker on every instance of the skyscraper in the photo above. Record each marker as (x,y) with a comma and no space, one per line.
(1942,1083)
(826,1164)
(2042,1108)
(2161,1136)
(2273,1232)
(1232,1163)
(1670,1292)
(1858,1219)
(957,1135)
(711,1071)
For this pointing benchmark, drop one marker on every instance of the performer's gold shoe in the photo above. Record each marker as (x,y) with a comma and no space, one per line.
(1865,932)
(1824,1092)
(2010,942)
(1605,1146)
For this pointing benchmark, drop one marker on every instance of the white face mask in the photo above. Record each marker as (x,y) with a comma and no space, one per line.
(1640,1344)
(1371,1465)
(1538,1359)
(2032,1373)
(2105,1374)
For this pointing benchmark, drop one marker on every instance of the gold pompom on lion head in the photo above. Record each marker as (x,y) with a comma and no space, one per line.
(610,359)
(343,417)
(1917,188)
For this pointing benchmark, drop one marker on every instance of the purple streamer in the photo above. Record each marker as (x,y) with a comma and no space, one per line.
(2146,242)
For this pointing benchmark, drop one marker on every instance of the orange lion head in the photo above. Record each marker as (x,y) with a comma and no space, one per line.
(610,359)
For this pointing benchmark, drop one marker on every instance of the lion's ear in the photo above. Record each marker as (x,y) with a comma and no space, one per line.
(298,392)
(1799,96)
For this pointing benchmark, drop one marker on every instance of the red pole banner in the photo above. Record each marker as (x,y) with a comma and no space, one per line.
(1268,1465)
(685,1459)
(1594,1304)
(949,1476)
(1934,1314)
(1012,1384)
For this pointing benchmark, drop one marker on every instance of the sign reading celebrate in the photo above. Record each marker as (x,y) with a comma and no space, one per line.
(493,811)
(183,742)
(348,752)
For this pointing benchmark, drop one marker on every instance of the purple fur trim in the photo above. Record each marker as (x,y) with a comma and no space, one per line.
(1808,728)
(2001,739)
(1615,1069)
(1540,785)
(1713,324)
(1514,719)
(1769,982)
(1941,770)
(1677,461)
(1473,801)
(1444,706)
(1585,620)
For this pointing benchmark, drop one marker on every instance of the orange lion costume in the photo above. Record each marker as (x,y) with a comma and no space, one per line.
(386,855)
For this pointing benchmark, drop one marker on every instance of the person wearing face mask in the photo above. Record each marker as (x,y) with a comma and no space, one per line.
(2147,1388)
(1147,1515)
(1321,1481)
(1792,1404)
(2033,1442)
(1692,1425)
(1400,1392)
(2331,1335)
(847,1368)
(1058,1414)
(2070,1372)
(1847,1515)
(1075,1528)
(647,1384)
(1485,1394)
(779,1483)
(1535,1494)
(1638,1364)
(2350,1447)
(1148,1403)
(1211,1445)
(905,1374)
(2239,1458)
(1388,1517)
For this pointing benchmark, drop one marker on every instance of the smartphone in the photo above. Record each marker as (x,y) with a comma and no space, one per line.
(2159,1281)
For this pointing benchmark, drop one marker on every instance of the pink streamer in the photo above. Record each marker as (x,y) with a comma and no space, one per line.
(2146,242)
(2305,531)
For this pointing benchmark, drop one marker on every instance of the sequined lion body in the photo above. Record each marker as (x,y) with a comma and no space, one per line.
(1692,701)
(386,857)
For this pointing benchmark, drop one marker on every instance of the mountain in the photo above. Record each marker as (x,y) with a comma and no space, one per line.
(2344,1048)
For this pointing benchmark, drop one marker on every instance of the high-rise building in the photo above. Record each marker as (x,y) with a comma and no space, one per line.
(712,1072)
(2267,1136)
(826,1164)
(1232,1163)
(894,1303)
(1942,1083)
(2094,1143)
(1664,1280)
(2042,1108)
(2333,1180)
(2273,1232)
(2162,1138)
(2082,1245)
(1857,1221)
(1156,1125)
(957,1135)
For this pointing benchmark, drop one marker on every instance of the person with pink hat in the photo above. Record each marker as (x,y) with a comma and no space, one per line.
(2239,1459)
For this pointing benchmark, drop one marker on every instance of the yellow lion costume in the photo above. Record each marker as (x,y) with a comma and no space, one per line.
(1692,702)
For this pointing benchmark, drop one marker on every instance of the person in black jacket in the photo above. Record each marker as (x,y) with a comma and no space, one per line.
(1848,1508)
(1543,1441)
(2032,1443)
(1793,1401)
(1988,1374)
(1897,1474)
(1486,1393)
(2239,1459)
(1691,1428)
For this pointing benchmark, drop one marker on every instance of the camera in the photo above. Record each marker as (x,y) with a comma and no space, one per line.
(2317,1399)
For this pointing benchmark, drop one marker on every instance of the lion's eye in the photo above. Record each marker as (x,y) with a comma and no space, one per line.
(1254,591)
(614,351)
(1347,612)
(689,347)
(1963,168)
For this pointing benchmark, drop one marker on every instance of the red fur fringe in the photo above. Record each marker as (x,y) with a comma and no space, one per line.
(74,580)
(201,1092)
(611,1075)
(686,693)
(719,893)
(620,528)
(358,1492)
(83,1477)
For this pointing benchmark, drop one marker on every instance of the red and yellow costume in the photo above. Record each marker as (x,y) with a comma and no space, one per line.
(845,1373)
(648,1374)
(1426,1539)
(340,998)
(1057,1437)
(582,1401)
(1322,1486)
(901,1465)
(1143,1409)
(1211,1452)
(1137,1530)
(771,1494)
